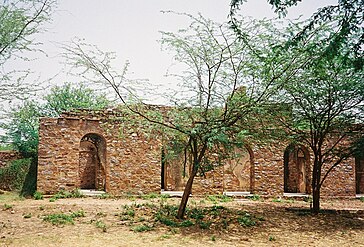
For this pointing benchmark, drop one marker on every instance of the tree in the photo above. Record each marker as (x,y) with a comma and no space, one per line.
(346,18)
(19,21)
(327,99)
(220,90)
(22,130)
(326,94)
(66,98)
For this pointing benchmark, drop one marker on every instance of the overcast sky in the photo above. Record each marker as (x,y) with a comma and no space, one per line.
(130,28)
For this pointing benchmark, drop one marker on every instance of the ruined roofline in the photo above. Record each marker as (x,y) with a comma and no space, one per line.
(118,111)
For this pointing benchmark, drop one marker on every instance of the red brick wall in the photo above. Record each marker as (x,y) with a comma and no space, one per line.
(133,161)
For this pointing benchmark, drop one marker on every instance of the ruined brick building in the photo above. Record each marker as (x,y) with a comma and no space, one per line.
(107,151)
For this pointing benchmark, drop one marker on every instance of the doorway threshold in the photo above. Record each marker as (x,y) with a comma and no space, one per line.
(91,192)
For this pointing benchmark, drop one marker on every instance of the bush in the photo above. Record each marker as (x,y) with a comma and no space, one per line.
(142,228)
(38,195)
(62,219)
(66,194)
(12,177)
(59,219)
(246,220)
(101,225)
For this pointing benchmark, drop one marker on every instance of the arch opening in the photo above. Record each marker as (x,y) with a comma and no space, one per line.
(92,161)
(296,169)
(238,171)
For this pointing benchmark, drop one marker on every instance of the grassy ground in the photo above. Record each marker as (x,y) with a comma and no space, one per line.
(150,221)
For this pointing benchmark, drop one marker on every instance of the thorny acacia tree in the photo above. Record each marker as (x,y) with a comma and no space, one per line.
(327,93)
(327,99)
(19,21)
(220,90)
(347,16)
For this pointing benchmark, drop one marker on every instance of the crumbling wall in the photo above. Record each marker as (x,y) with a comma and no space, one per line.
(132,162)
(8,155)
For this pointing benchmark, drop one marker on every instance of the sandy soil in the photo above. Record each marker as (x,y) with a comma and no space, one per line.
(285,224)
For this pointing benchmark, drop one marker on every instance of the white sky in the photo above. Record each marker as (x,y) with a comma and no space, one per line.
(130,28)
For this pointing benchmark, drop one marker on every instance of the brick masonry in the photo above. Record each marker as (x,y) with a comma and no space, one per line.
(8,155)
(124,156)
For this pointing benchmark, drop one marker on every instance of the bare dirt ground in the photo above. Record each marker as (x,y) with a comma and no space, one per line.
(115,222)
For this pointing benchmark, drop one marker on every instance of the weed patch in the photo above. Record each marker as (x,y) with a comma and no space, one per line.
(63,219)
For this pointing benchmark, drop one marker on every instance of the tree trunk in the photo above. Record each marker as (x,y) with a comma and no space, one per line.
(315,200)
(186,194)
(316,177)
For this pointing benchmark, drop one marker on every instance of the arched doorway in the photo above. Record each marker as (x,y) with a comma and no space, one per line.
(92,162)
(238,171)
(296,169)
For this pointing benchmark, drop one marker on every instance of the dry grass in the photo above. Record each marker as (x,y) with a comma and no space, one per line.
(124,222)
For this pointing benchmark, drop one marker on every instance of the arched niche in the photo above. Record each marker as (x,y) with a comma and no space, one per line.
(239,170)
(296,169)
(92,162)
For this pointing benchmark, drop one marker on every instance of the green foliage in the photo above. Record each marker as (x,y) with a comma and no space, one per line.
(22,130)
(13,175)
(8,206)
(67,97)
(20,21)
(59,219)
(66,194)
(142,228)
(219,198)
(38,195)
(62,219)
(78,214)
(255,197)
(105,196)
(361,199)
(100,224)
(150,196)
(246,220)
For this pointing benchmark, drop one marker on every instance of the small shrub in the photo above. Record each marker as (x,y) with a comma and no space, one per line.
(213,238)
(38,195)
(219,198)
(361,199)
(271,238)
(204,225)
(254,197)
(142,228)
(246,220)
(62,219)
(14,174)
(186,223)
(59,219)
(78,214)
(166,221)
(8,206)
(101,225)
(277,200)
(150,196)
(197,213)
(66,194)
(105,196)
